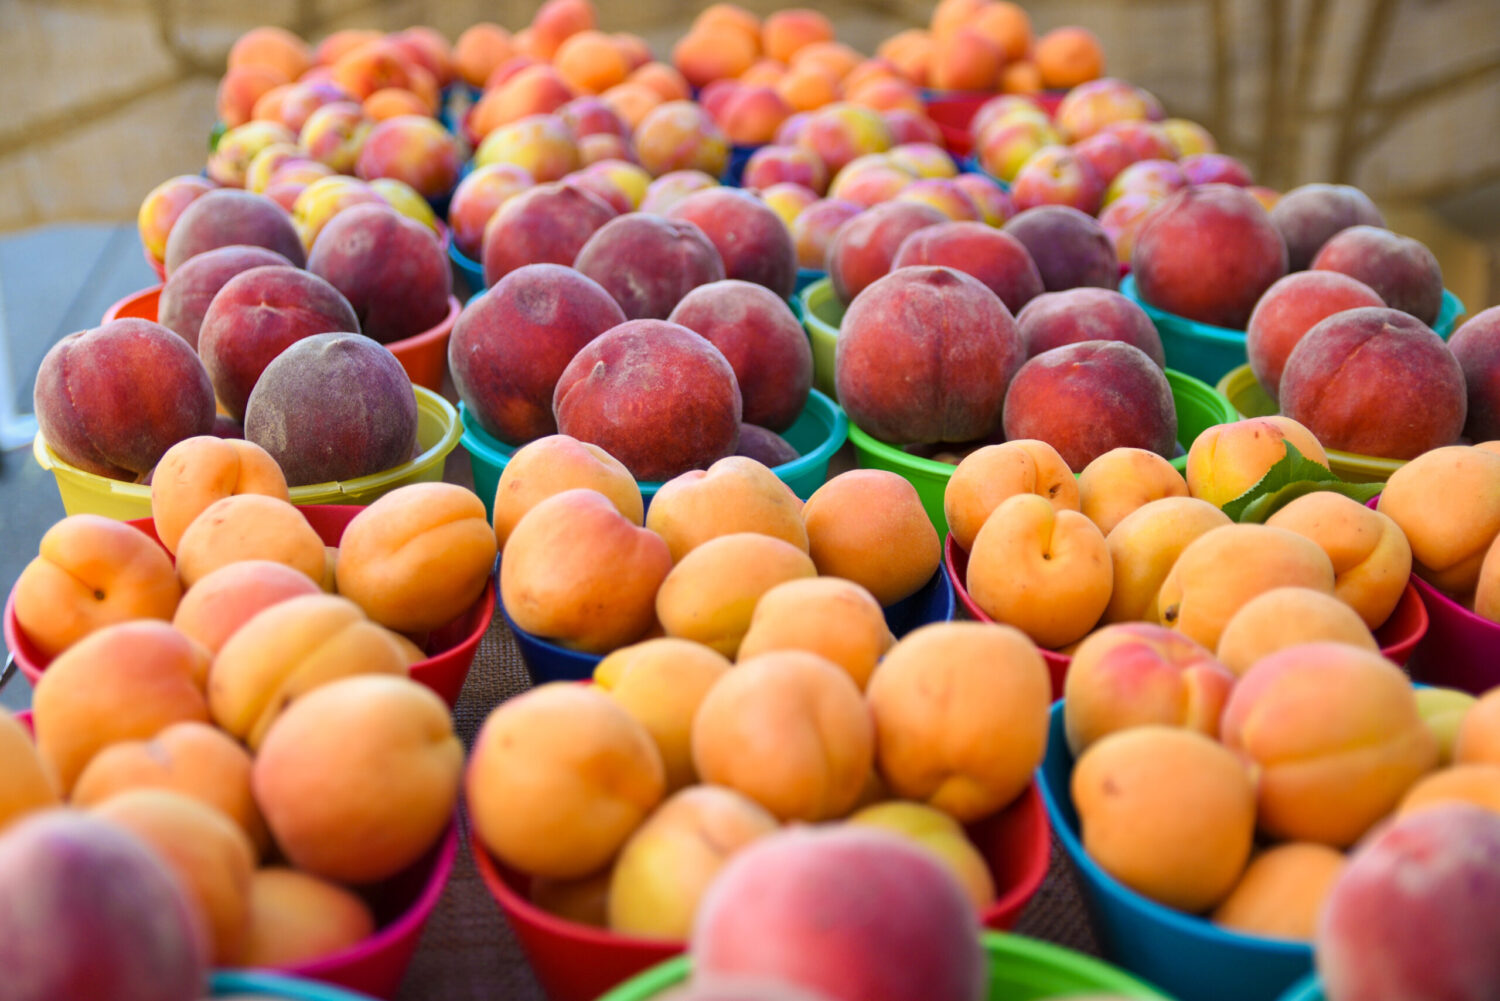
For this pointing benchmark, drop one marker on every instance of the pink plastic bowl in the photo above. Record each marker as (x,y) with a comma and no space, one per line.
(575,962)
(1461,649)
(1398,636)
(444,671)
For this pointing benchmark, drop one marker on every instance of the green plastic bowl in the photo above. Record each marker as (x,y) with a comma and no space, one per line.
(1198,405)
(818,432)
(821,315)
(1244,392)
(1021,969)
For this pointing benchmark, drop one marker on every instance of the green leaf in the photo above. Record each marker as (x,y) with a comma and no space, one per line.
(216,134)
(1293,476)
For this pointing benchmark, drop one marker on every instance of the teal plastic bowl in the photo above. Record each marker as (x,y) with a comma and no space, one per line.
(819,432)
(470,270)
(805,277)
(1187,956)
(1207,352)
(274,985)
(1309,989)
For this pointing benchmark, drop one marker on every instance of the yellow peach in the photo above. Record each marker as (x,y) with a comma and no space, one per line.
(1228,459)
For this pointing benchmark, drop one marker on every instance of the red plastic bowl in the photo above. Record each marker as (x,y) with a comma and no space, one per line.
(954,111)
(575,962)
(444,672)
(1398,636)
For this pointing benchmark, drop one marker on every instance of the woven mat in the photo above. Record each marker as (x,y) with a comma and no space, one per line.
(468,952)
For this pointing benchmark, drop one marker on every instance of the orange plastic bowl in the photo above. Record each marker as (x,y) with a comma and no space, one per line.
(452,647)
(576,962)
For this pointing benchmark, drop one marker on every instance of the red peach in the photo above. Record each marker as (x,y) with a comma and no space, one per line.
(1310,215)
(413,149)
(1289,309)
(1087,314)
(648,263)
(814,229)
(751,239)
(547,225)
(863,248)
(476,200)
(225,217)
(1402,271)
(997,259)
(1474,345)
(391,269)
(776,164)
(190,289)
(1069,247)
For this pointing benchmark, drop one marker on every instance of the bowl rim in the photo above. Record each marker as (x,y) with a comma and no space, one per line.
(1226,336)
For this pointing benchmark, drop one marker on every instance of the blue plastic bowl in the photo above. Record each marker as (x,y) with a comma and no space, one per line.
(971,165)
(1185,955)
(1210,353)
(819,432)
(805,277)
(470,270)
(1308,989)
(274,985)
(734,172)
(546,661)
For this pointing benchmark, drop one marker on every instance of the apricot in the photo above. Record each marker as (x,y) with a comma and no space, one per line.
(205,850)
(790,730)
(1045,571)
(1066,57)
(590,62)
(834,618)
(1476,784)
(939,697)
(990,475)
(559,778)
(784,32)
(669,862)
(480,49)
(1447,502)
(1228,459)
(1282,891)
(25,784)
(1334,737)
(661,683)
(584,901)
(1123,480)
(550,465)
(1221,570)
(197,471)
(578,572)
(296,918)
(1478,740)
(1168,812)
(1139,674)
(418,557)
(1145,545)
(1289,616)
(91,572)
(124,682)
(735,494)
(248,527)
(868,526)
(224,600)
(1370,555)
(712,591)
(359,778)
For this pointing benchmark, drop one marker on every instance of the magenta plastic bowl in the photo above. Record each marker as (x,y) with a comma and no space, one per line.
(444,671)
(1461,649)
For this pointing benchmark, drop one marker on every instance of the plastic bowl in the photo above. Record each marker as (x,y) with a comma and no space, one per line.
(470,270)
(1186,955)
(255,983)
(734,169)
(444,672)
(438,432)
(953,111)
(547,661)
(575,962)
(805,277)
(424,355)
(818,432)
(821,315)
(1199,407)
(1461,650)
(956,565)
(1020,969)
(1307,989)
(1242,390)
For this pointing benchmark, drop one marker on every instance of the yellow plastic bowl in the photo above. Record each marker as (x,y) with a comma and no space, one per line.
(438,432)
(1242,390)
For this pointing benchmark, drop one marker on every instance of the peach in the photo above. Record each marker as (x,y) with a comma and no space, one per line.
(788,200)
(479,50)
(815,229)
(711,592)
(993,202)
(1282,891)
(1289,616)
(663,79)
(777,164)
(649,263)
(630,179)
(1090,106)
(590,62)
(334,134)
(588,116)
(91,572)
(661,682)
(1168,812)
(359,778)
(706,54)
(928,161)
(287,650)
(1292,307)
(1139,674)
(414,149)
(996,259)
(1309,215)
(559,778)
(868,526)
(1122,219)
(765,446)
(25,784)
(669,862)
(1067,57)
(925,354)
(248,527)
(533,90)
(1334,735)
(753,243)
(1069,247)
(1054,175)
(236,149)
(124,682)
(1487,590)
(478,197)
(1427,878)
(966,59)
(593,597)
(418,557)
(1473,345)
(1478,739)
(807,892)
(885,95)
(1198,598)
(1215,168)
(671,188)
(322,199)
(1228,459)
(1176,272)
(695,409)
(1371,557)
(89,911)
(836,619)
(1107,154)
(988,476)
(1145,545)
(240,89)
(190,289)
(840,132)
(784,32)
(822,736)
(371,67)
(548,224)
(1044,571)
(834,59)
(1189,137)
(1083,314)
(1475,784)
(944,195)
(1090,397)
(807,89)
(269,161)
(1402,271)
(910,52)
(631,102)
(1123,480)
(556,463)
(163,205)
(543,145)
(340,43)
(753,114)
(274,48)
(296,918)
(870,180)
(391,269)
(935,696)
(1155,178)
(942,835)
(1447,503)
(734,495)
(293,104)
(1007,145)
